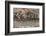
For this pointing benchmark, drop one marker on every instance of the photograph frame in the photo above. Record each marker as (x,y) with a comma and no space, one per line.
(7,16)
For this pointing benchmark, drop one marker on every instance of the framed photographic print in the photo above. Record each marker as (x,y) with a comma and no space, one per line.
(24,17)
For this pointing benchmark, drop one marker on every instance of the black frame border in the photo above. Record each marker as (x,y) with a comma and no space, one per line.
(7,16)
